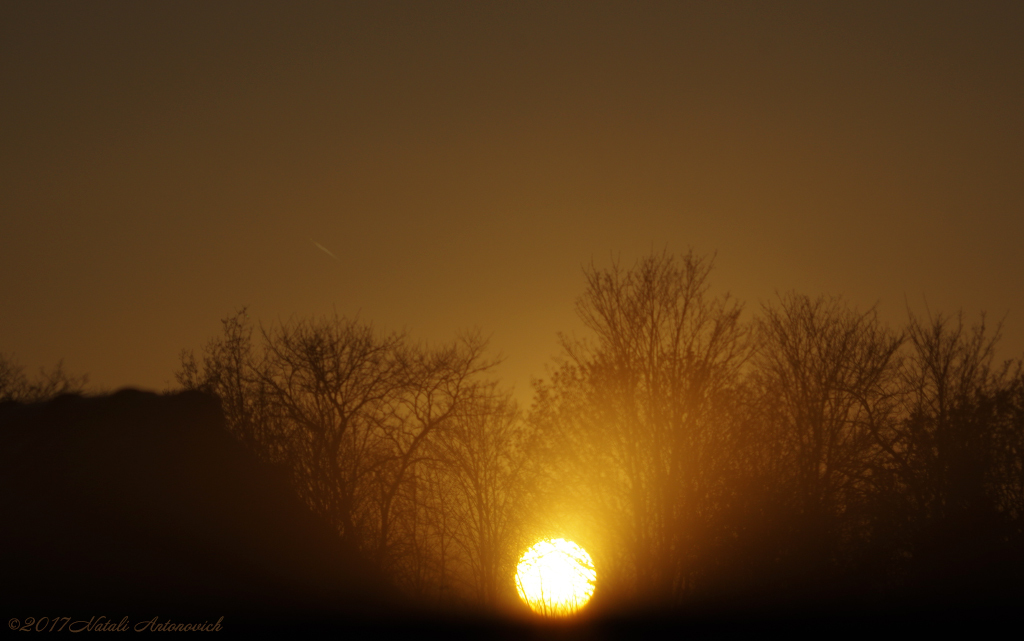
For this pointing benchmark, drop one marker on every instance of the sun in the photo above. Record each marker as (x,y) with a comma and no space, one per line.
(555,577)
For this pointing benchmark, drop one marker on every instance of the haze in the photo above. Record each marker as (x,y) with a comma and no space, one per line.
(165,164)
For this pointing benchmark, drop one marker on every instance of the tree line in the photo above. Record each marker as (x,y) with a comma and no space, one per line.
(809,452)
(18,386)
(696,450)
(691,450)
(408,450)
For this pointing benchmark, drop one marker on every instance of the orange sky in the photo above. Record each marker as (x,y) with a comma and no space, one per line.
(162,164)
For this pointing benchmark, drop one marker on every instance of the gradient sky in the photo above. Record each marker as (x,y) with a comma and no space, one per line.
(165,163)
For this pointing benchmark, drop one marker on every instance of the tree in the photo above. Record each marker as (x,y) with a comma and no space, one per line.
(484,456)
(945,451)
(15,385)
(955,453)
(632,415)
(826,378)
(230,370)
(348,410)
(439,385)
(330,385)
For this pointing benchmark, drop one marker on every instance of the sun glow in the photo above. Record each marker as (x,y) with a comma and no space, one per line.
(555,577)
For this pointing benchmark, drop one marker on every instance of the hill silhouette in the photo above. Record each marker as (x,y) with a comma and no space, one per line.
(144,504)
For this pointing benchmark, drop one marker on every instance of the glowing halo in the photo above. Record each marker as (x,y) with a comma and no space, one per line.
(555,577)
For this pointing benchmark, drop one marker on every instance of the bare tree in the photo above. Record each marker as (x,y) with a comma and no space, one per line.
(827,379)
(230,369)
(349,410)
(634,411)
(949,369)
(955,455)
(15,385)
(1009,450)
(486,454)
(330,383)
(438,385)
(429,562)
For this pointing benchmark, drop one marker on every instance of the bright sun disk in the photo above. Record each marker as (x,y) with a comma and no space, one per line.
(555,577)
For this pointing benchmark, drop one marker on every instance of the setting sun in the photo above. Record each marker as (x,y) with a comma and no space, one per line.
(555,577)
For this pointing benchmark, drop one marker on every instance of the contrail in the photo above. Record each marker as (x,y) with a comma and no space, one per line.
(325,250)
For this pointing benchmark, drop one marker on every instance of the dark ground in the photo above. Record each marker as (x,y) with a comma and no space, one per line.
(138,505)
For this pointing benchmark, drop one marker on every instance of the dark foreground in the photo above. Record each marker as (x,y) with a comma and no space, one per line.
(140,513)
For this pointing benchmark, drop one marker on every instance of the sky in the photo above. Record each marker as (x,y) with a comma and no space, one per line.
(163,164)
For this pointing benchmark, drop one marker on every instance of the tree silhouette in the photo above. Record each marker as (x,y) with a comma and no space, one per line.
(484,457)
(825,376)
(633,415)
(229,370)
(349,411)
(809,454)
(956,453)
(15,385)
